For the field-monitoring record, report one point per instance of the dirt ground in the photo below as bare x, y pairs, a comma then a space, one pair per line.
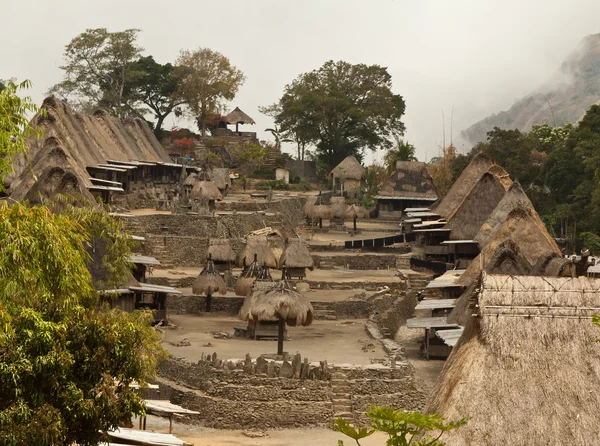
338, 342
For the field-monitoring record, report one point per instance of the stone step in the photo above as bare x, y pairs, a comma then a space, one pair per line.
327, 315
341, 396
345, 415
342, 408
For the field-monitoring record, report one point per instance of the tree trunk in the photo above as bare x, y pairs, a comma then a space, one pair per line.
158, 126
203, 121
208, 303
303, 145
280, 335
299, 153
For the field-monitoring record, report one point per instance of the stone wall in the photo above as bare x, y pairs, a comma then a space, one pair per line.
186, 304
353, 261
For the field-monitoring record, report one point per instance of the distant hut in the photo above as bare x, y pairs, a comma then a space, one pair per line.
476, 207
410, 186
338, 210
348, 176
256, 248
356, 211
209, 282
296, 258
237, 117
206, 193
526, 230
469, 177
525, 368
317, 209
220, 176
282, 304
222, 254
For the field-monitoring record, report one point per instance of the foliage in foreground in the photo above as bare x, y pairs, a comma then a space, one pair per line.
402, 427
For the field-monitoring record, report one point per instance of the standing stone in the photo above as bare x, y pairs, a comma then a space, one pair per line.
296, 365
248, 364
271, 369
202, 357
261, 366
286, 370
214, 357
305, 369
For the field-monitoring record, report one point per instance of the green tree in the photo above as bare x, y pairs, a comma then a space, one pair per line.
208, 79
402, 151
98, 66
342, 108
157, 87
402, 427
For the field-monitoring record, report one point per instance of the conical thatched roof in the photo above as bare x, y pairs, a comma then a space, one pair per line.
525, 229
296, 255
239, 117
348, 169
477, 206
463, 185
410, 180
191, 179
257, 245
526, 368
220, 250
206, 190
280, 301
356, 211
209, 281
316, 208
552, 264
514, 197
338, 207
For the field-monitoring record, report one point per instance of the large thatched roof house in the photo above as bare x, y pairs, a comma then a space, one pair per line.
463, 185
526, 367
104, 153
347, 176
410, 186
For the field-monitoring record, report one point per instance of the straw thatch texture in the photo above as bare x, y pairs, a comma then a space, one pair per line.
257, 245
237, 116
356, 211
296, 255
87, 140
463, 185
220, 175
410, 180
477, 206
461, 313
508, 260
316, 208
348, 169
338, 207
243, 286
513, 198
209, 284
191, 179
525, 371
206, 190
220, 250
524, 227
554, 265
280, 301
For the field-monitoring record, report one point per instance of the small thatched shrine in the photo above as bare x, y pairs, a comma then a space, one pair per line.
338, 210
355, 211
410, 186
237, 117
205, 193
467, 180
296, 258
348, 176
317, 210
525, 370
220, 176
222, 254
208, 282
256, 249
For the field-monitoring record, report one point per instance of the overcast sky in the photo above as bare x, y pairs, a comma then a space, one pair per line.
477, 56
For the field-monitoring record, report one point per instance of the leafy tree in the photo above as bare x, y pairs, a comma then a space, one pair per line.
441, 171
157, 87
278, 136
402, 151
342, 108
208, 79
402, 427
98, 67
375, 177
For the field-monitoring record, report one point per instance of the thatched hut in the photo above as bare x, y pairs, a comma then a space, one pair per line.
208, 282
253, 278
525, 369
206, 193
463, 185
348, 176
237, 117
410, 186
295, 258
280, 303
221, 252
356, 211
523, 227
257, 247
317, 209
476, 207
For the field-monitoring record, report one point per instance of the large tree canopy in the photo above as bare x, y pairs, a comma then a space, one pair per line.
341, 108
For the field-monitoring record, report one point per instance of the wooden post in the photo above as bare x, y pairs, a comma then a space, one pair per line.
355, 224
208, 303
320, 223
280, 336
170, 423
427, 344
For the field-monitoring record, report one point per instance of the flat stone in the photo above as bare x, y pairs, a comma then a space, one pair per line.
302, 287
271, 369
261, 366
286, 370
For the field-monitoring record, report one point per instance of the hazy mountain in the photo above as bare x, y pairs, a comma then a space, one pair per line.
574, 88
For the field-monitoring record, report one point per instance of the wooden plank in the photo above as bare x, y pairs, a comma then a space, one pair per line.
436, 304
166, 406
450, 337
429, 322
146, 438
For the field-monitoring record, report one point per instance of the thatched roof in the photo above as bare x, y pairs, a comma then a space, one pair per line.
220, 176
206, 190
411, 181
554, 265
356, 211
349, 169
239, 117
86, 140
191, 179
257, 245
514, 197
525, 229
477, 206
220, 250
526, 368
338, 207
463, 185
296, 255
209, 281
280, 301
316, 208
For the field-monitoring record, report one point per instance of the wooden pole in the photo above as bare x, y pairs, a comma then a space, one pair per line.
427, 344
280, 336
354, 224
208, 303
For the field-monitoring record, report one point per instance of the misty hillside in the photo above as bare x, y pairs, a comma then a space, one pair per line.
575, 88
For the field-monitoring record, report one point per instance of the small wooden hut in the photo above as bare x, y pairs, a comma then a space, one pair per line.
208, 282
222, 254
526, 366
295, 258
317, 210
348, 176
